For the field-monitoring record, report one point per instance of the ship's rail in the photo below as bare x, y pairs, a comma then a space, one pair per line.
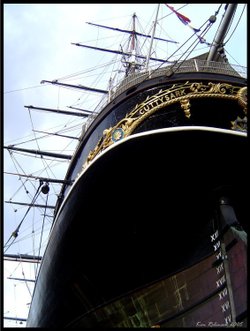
192, 65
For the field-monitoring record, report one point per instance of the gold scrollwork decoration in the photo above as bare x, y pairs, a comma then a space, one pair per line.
240, 124
185, 105
176, 93
242, 98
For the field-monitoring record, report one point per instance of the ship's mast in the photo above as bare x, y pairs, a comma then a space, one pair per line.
132, 63
131, 56
152, 37
217, 44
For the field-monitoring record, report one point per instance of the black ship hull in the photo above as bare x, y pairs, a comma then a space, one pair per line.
151, 204
150, 221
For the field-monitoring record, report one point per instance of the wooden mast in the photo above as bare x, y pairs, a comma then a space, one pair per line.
152, 38
220, 35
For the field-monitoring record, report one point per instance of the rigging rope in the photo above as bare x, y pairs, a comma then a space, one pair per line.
74, 127
23, 183
22, 89
15, 233
15, 162
236, 25
45, 163
40, 244
26, 283
197, 42
201, 39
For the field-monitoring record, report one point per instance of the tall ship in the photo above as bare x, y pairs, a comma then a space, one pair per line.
150, 224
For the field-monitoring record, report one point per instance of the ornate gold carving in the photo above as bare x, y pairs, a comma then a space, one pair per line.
185, 105
176, 93
240, 124
242, 98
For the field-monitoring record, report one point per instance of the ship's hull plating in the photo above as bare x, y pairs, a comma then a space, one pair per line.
141, 239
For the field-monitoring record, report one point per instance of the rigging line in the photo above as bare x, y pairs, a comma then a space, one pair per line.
32, 125
98, 78
49, 134
33, 239
16, 242
103, 38
25, 280
232, 58
197, 42
65, 129
162, 30
23, 183
58, 97
15, 233
15, 301
201, 35
49, 166
13, 271
45, 135
149, 32
73, 127
70, 122
154, 70
208, 25
11, 141
33, 139
173, 12
46, 165
30, 140
106, 71
19, 188
51, 161
236, 25
40, 244
150, 29
161, 24
231, 22
33, 236
22, 89
85, 71
216, 13
116, 61
15, 162
30, 235
69, 143
42, 157
109, 19
34, 249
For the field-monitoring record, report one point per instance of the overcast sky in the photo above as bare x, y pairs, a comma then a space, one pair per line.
37, 46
